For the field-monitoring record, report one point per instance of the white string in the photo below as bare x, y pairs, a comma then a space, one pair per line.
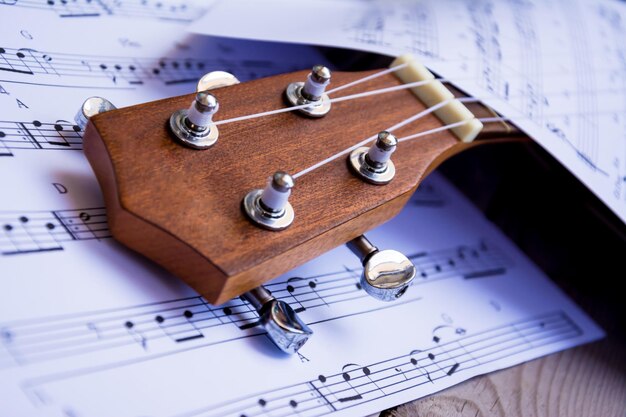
369, 77
332, 100
452, 126
262, 114
371, 138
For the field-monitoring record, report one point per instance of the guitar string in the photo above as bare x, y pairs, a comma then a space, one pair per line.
368, 78
423, 133
371, 93
406, 138
342, 98
371, 138
452, 126
362, 95
332, 100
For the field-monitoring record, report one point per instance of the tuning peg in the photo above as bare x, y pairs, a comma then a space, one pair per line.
91, 107
194, 127
374, 164
216, 79
270, 208
311, 92
387, 274
282, 324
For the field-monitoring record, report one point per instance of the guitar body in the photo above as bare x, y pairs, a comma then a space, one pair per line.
181, 207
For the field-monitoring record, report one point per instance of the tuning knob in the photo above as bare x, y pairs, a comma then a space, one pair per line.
91, 107
194, 127
269, 208
282, 324
312, 92
216, 79
374, 164
387, 274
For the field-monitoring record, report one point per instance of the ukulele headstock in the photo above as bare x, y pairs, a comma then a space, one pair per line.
182, 207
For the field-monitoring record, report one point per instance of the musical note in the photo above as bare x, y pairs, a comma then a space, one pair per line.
32, 232
118, 72
159, 9
136, 335
58, 135
187, 320
304, 294
180, 331
11, 64
336, 391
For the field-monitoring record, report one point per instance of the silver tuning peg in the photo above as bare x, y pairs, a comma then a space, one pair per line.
374, 164
311, 92
269, 208
194, 127
282, 324
387, 274
216, 79
91, 107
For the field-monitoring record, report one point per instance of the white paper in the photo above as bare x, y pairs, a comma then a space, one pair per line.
165, 10
555, 67
88, 328
100, 332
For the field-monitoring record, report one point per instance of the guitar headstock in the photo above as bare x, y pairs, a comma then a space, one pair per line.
182, 207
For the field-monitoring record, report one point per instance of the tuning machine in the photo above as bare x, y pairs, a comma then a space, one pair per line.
387, 274
311, 92
282, 324
269, 208
374, 164
91, 107
194, 127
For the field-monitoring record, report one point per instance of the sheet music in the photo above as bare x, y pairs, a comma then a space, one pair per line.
555, 67
181, 11
121, 337
88, 328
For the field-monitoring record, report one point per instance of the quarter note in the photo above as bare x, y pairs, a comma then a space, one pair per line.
136, 335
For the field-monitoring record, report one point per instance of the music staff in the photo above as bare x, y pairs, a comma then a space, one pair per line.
43, 231
170, 324
163, 10
120, 72
58, 135
326, 394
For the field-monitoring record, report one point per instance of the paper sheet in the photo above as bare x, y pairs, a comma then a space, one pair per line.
557, 68
88, 328
99, 332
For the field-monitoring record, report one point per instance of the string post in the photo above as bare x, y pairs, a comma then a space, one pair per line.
374, 164
91, 107
311, 93
281, 322
269, 208
194, 127
387, 274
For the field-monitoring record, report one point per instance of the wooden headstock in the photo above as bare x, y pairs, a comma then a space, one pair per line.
182, 207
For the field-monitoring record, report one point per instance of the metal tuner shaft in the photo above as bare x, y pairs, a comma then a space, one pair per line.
311, 93
282, 324
387, 274
91, 107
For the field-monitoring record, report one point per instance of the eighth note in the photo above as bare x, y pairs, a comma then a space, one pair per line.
453, 369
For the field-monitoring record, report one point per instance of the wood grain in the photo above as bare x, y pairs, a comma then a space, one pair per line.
181, 207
